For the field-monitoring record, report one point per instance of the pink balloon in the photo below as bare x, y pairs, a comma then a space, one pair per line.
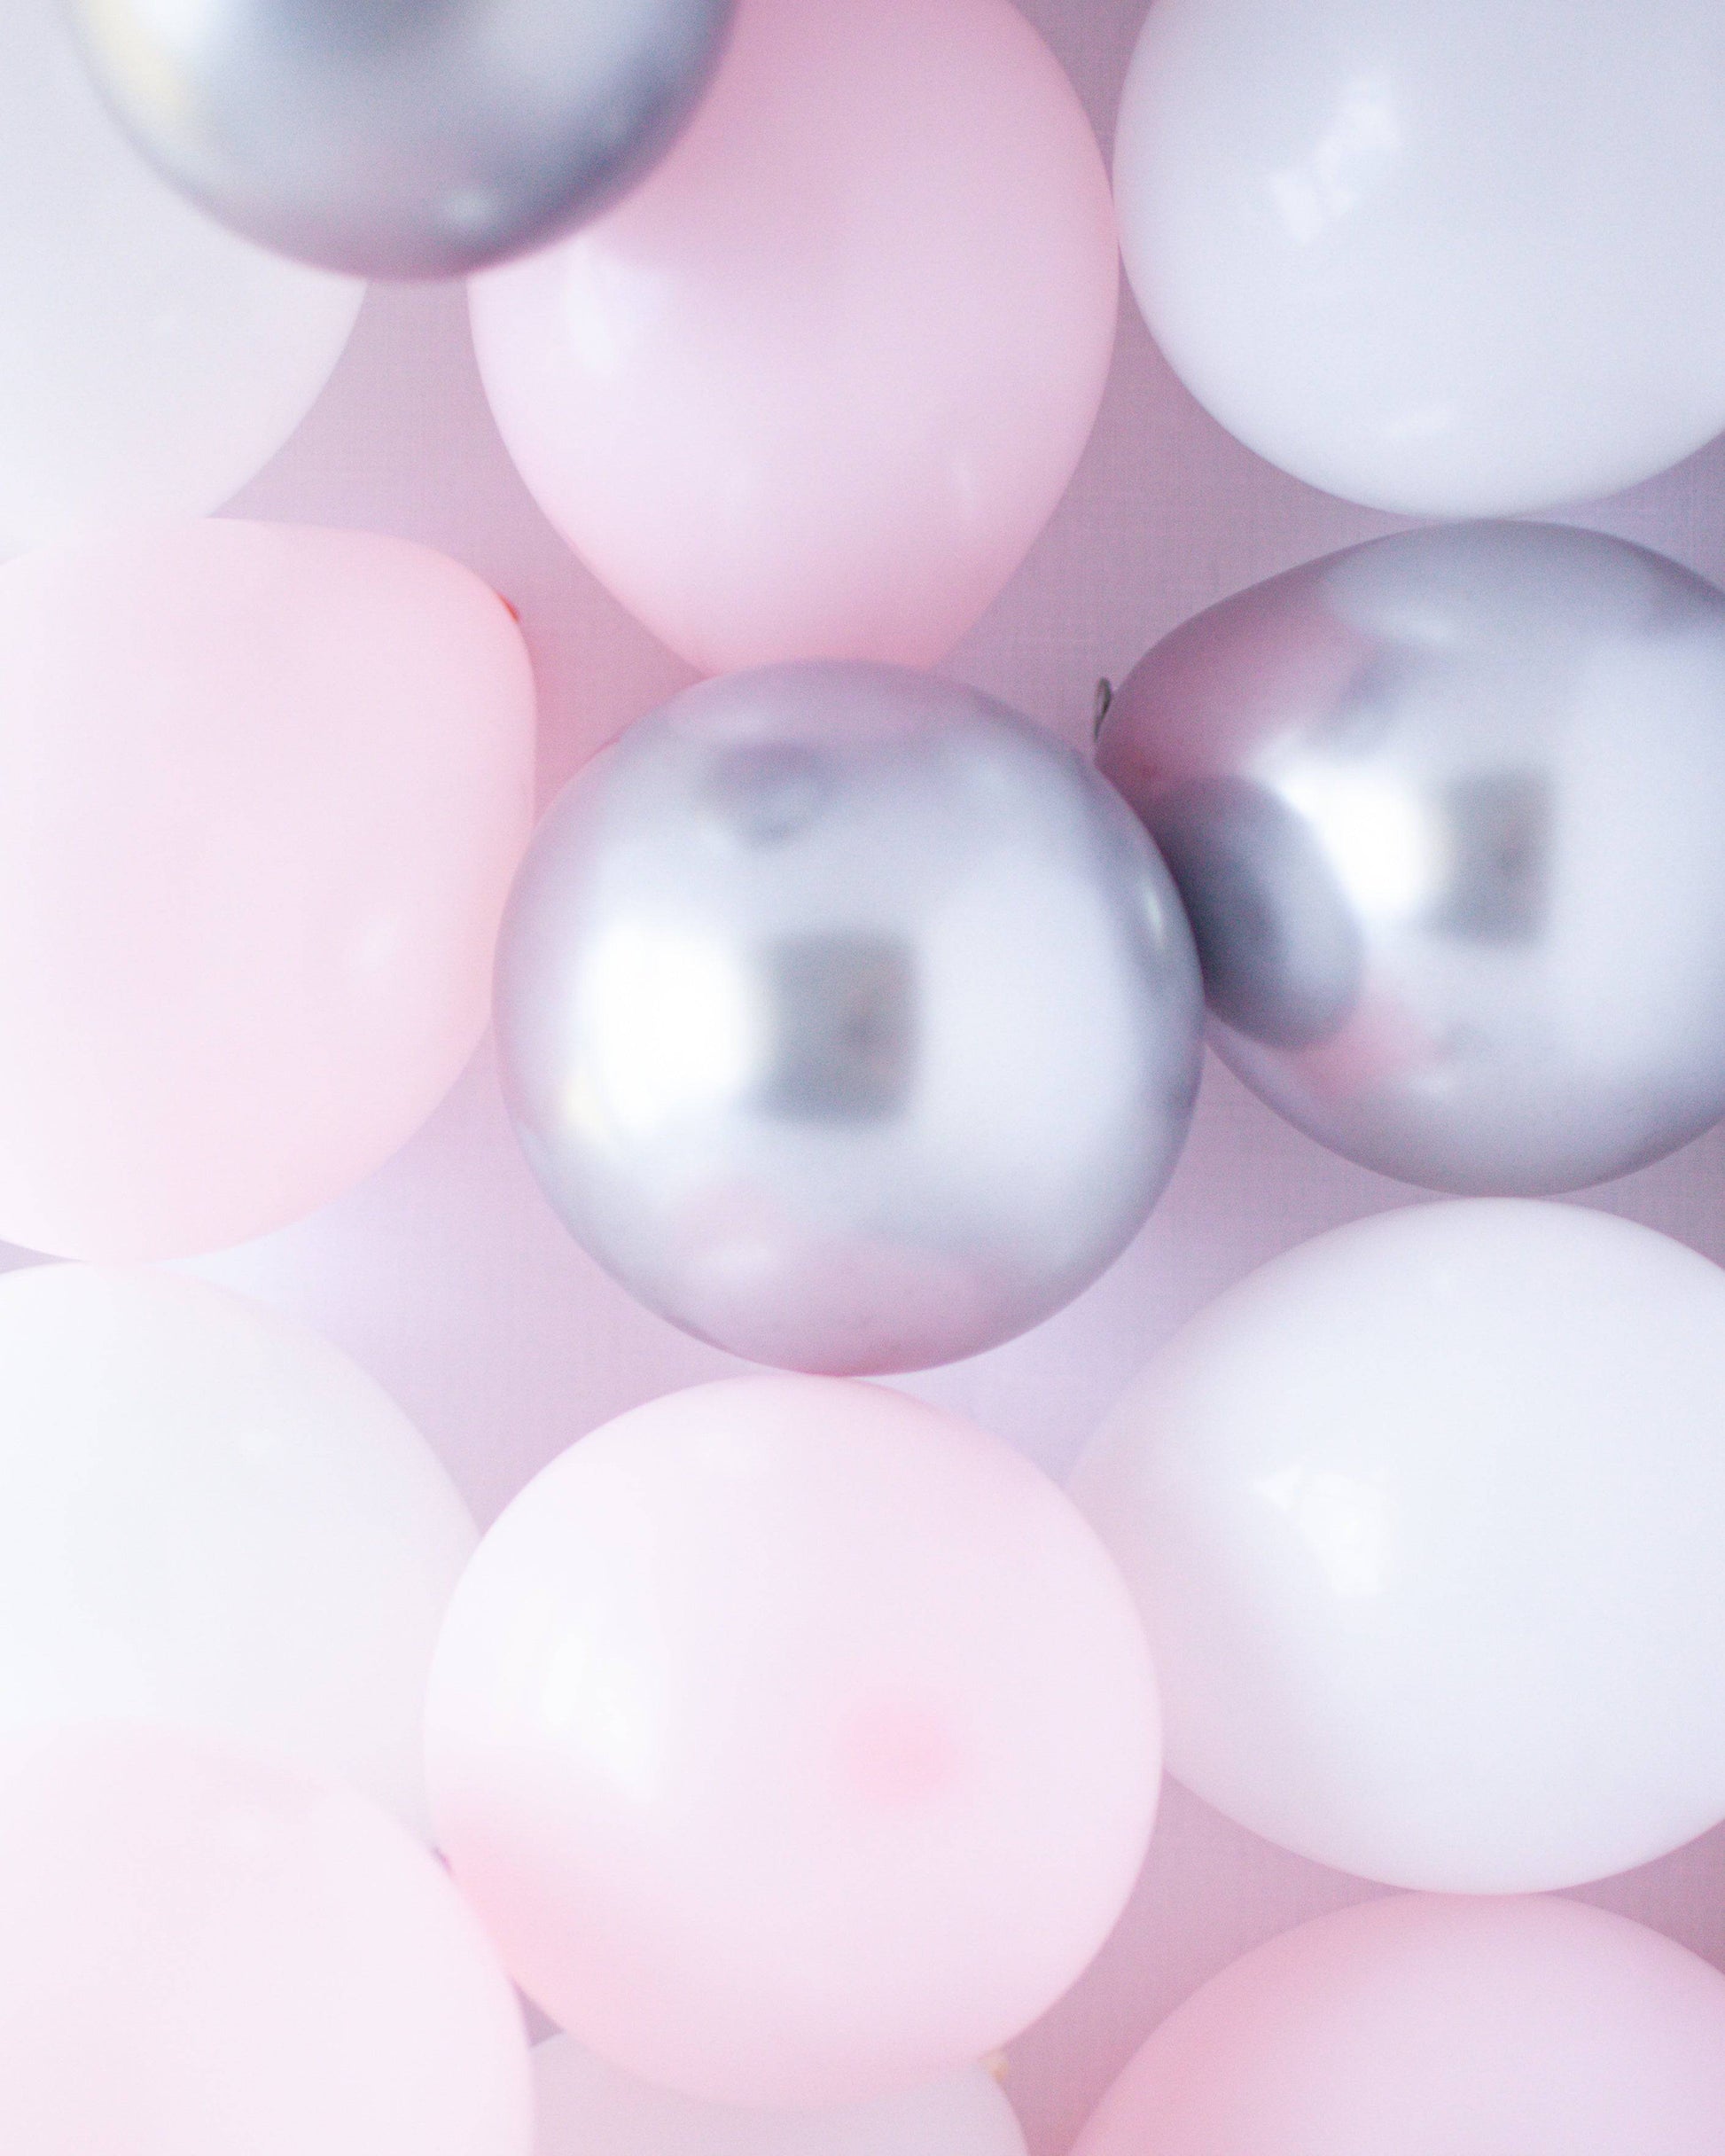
797, 1741
814, 388
261, 793
1426, 2026
204, 1956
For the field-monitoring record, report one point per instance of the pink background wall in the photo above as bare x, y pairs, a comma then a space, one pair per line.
446, 1274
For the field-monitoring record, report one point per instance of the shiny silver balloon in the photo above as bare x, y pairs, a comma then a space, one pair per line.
847, 1019
1448, 812
401, 138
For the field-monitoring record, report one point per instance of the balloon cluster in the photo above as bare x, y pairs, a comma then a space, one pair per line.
794, 1744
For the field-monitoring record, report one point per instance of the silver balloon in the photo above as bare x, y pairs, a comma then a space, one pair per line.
1446, 811
401, 138
847, 1019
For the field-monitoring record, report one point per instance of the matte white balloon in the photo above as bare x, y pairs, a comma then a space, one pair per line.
1456, 260
1427, 1520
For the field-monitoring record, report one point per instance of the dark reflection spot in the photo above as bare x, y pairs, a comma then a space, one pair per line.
765, 794
1497, 887
844, 1036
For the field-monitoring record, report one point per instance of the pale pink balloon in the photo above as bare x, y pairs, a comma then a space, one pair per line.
815, 388
1427, 2027
262, 790
202, 1954
797, 1741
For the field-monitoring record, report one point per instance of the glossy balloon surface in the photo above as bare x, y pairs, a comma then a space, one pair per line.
795, 1740
846, 1017
1455, 260
1426, 1521
1441, 808
397, 140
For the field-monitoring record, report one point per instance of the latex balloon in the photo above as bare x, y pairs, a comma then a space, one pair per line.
403, 141
201, 1952
153, 362
1436, 259
261, 793
209, 1517
846, 1017
781, 1680
1426, 1521
1441, 808
813, 390
1430, 2027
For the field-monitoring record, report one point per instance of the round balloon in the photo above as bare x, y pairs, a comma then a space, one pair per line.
796, 1742
1429, 2027
261, 793
1441, 811
813, 390
1426, 1521
1456, 261
153, 362
395, 141
847, 1018
202, 1952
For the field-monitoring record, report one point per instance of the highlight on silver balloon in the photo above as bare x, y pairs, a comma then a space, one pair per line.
1445, 810
402, 138
846, 1017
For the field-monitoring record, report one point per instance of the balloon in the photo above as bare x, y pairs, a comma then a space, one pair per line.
261, 793
1426, 1522
201, 1953
1441, 810
1431, 2028
813, 390
846, 1017
152, 363
1454, 261
208, 1517
796, 1742
396, 140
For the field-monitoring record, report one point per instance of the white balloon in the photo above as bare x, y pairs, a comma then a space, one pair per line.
209, 1516
150, 362
1453, 259
1427, 1520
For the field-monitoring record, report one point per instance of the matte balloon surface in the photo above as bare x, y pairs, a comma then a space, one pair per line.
261, 793
202, 1953
796, 1741
1431, 2028
1426, 1522
210, 1518
847, 1018
1455, 260
396, 140
152, 363
813, 390
1442, 811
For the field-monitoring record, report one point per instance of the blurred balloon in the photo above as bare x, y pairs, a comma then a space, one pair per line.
208, 1517
1455, 260
151, 364
1442, 811
846, 1017
796, 1741
1429, 2027
261, 793
814, 389
202, 1953
399, 140
1426, 1521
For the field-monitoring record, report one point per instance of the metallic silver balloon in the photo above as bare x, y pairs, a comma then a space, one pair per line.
401, 138
1446, 812
846, 1017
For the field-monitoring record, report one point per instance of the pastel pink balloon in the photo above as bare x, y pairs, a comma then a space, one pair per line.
261, 793
797, 1741
1427, 2027
814, 388
202, 1954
